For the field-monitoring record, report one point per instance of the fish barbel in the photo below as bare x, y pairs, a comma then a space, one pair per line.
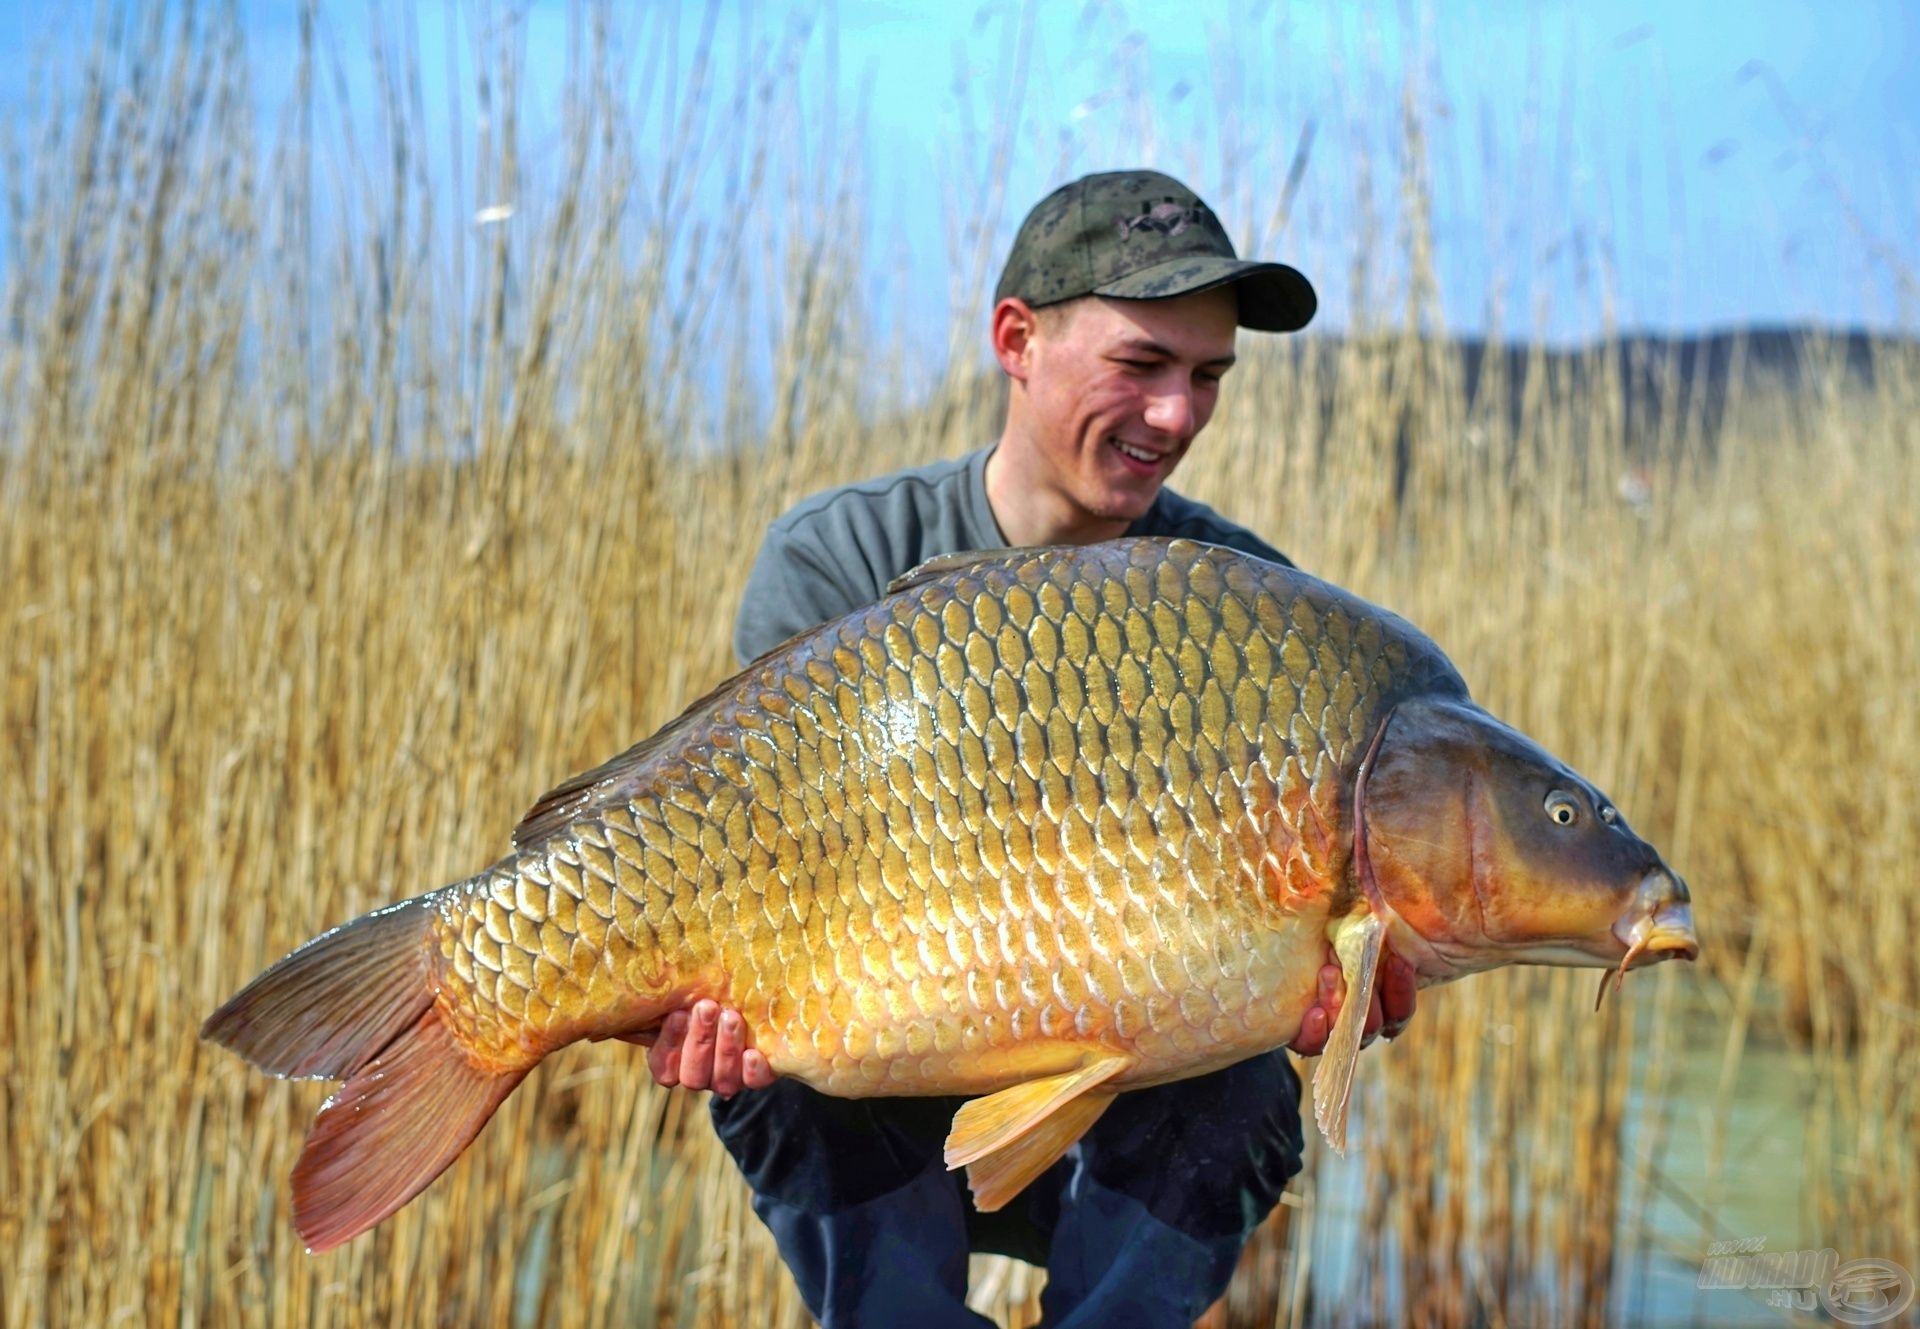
1043, 825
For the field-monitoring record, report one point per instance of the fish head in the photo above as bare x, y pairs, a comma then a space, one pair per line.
1490, 850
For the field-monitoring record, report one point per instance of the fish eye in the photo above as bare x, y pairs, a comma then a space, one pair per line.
1562, 808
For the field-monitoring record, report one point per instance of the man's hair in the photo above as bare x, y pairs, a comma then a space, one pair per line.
1051, 318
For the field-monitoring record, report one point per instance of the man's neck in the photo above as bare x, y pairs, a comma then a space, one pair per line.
1030, 509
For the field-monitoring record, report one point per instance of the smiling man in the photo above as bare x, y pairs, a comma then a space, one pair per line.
1114, 321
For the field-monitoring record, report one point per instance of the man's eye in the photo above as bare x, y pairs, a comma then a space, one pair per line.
1141, 365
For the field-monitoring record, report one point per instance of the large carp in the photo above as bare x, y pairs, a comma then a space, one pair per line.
1043, 825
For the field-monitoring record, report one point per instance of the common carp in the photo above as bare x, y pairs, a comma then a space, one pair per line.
1042, 825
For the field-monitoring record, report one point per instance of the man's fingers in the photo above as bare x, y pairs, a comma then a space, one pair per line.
1311, 1041
1317, 1023
696, 1058
663, 1058
705, 1047
1374, 1019
726, 1055
1399, 990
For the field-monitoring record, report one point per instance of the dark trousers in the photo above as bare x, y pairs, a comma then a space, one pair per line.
1140, 1225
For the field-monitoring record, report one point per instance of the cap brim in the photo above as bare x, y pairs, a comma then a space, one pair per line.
1273, 296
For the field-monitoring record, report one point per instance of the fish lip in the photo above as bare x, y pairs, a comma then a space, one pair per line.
1661, 926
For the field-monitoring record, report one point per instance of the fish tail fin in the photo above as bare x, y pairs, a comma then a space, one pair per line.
330, 1007
398, 1123
357, 1004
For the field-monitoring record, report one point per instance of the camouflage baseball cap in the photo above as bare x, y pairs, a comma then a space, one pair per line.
1141, 235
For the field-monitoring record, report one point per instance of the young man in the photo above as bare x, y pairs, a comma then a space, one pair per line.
1115, 321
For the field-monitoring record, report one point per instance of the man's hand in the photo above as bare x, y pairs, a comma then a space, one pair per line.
1391, 1009
705, 1048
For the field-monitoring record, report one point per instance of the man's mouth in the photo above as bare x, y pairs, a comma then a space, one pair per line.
1143, 461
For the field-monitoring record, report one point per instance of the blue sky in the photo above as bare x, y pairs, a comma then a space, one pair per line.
1733, 163
1667, 165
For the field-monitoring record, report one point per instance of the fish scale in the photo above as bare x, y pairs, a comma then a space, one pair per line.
891, 843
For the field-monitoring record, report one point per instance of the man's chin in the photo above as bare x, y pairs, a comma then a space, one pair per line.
1111, 510
1129, 502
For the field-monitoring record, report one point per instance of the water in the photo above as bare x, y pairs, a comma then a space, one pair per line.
1719, 1156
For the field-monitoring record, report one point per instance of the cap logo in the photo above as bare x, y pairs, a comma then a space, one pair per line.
1168, 218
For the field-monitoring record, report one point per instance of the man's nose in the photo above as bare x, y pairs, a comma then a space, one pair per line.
1170, 411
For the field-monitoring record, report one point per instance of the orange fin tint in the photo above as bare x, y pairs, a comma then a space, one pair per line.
1358, 941
329, 1008
391, 1130
997, 1177
987, 1124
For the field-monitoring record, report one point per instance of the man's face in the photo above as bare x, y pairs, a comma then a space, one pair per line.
1120, 388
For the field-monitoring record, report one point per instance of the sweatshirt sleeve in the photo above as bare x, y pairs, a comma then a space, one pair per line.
791, 588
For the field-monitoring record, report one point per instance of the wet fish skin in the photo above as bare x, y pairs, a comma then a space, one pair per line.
1056, 798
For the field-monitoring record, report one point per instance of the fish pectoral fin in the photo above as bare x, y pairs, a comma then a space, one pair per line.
988, 1124
1358, 941
997, 1177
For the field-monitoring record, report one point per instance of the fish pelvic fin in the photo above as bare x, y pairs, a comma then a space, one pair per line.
330, 1007
390, 1130
1358, 940
997, 1177
1007, 1139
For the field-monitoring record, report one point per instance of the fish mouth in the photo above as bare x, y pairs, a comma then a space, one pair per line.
1659, 927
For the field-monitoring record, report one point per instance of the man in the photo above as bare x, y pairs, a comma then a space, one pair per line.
1115, 322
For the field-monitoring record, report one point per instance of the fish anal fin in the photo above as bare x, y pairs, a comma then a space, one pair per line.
997, 1177
984, 1125
1357, 943
390, 1130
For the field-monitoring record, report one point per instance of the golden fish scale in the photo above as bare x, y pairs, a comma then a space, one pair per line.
1055, 799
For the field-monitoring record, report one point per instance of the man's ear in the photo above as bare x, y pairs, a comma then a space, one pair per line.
1015, 326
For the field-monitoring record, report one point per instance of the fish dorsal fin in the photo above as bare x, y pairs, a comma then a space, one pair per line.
1011, 1136
614, 780
1357, 942
567, 801
935, 568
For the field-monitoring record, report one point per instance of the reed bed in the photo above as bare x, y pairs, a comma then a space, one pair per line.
330, 543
